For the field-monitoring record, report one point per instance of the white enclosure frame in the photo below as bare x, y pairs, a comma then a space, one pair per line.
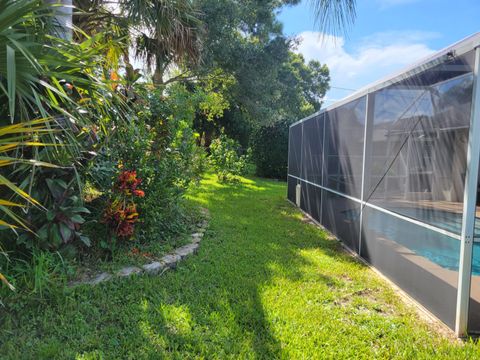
471, 179
469, 207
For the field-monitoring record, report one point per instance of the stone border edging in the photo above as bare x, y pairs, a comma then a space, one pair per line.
167, 262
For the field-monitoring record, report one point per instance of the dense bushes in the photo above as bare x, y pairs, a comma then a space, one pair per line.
269, 145
109, 154
158, 147
56, 104
96, 156
226, 160
134, 175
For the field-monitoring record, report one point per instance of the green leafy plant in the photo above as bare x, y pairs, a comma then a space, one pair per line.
65, 217
60, 227
226, 160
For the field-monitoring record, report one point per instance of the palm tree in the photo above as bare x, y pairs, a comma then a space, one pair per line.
166, 32
160, 32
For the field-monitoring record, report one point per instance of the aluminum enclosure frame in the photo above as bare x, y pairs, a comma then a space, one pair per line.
466, 237
469, 207
461, 47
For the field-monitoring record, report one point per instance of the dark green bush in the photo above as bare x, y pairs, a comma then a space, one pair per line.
269, 144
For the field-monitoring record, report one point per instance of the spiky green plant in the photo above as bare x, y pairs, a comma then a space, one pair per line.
13, 140
44, 77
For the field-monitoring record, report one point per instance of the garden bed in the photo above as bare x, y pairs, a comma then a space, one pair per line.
147, 263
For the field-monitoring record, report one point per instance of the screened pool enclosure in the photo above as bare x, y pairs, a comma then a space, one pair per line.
392, 171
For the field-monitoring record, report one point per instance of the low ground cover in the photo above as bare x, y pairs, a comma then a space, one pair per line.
263, 285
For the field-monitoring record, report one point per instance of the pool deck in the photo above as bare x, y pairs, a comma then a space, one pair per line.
446, 206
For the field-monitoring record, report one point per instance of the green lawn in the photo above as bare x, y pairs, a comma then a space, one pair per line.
264, 285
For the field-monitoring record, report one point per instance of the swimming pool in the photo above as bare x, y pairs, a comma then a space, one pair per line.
438, 248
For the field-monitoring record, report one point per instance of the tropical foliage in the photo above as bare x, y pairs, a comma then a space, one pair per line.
13, 139
96, 154
226, 159
121, 213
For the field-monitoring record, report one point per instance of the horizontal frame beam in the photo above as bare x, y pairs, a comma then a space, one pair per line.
376, 207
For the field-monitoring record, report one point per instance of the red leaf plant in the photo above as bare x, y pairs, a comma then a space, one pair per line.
121, 213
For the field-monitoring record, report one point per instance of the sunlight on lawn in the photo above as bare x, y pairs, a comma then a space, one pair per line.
264, 285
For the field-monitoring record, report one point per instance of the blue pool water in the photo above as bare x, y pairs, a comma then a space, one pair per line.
442, 219
440, 249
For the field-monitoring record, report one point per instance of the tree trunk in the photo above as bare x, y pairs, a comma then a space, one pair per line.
158, 76
159, 71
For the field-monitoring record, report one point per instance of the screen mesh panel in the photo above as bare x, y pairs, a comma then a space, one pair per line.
312, 149
344, 133
386, 172
295, 150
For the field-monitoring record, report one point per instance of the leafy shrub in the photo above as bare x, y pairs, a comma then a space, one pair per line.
269, 144
226, 160
172, 161
121, 213
58, 227
159, 143
64, 218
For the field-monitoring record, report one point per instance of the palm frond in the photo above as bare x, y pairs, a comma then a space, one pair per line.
27, 133
165, 31
334, 16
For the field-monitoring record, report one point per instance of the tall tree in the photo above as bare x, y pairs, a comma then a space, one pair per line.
245, 40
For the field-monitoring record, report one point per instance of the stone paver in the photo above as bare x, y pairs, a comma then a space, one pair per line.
171, 260
100, 278
154, 267
129, 270
157, 267
186, 250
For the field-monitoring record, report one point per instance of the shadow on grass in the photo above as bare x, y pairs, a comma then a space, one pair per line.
211, 306
255, 236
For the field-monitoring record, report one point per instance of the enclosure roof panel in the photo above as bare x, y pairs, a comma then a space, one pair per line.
457, 49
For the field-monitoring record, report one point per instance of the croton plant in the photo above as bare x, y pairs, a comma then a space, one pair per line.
121, 214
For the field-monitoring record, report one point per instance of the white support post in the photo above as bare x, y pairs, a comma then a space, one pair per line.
367, 151
469, 207
324, 124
